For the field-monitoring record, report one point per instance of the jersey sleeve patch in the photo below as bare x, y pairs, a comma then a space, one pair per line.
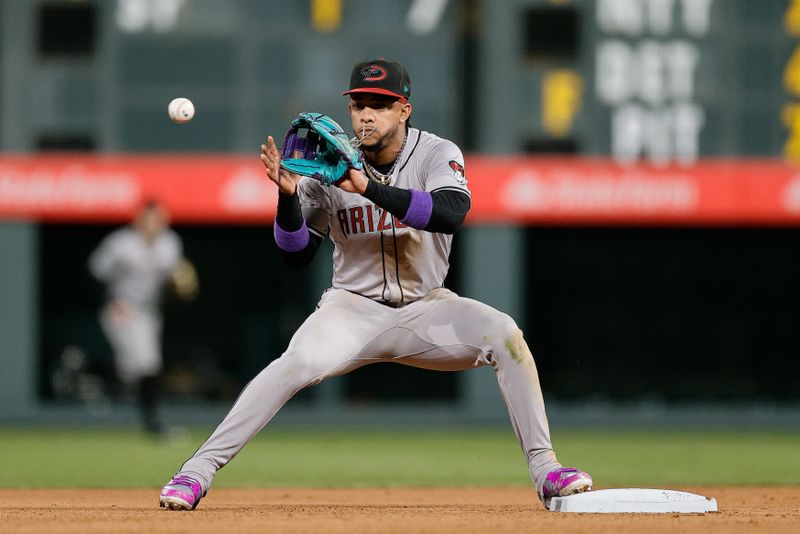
458, 172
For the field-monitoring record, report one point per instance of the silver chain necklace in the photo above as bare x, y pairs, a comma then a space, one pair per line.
379, 177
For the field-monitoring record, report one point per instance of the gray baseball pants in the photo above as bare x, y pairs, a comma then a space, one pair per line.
441, 331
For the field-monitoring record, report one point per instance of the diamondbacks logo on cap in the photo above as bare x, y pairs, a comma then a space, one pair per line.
458, 172
373, 73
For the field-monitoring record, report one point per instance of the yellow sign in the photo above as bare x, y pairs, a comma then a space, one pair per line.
326, 15
791, 18
562, 98
790, 115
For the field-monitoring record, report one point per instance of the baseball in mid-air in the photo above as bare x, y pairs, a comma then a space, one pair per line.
181, 110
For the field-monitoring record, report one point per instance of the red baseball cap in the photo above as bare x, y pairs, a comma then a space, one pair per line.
381, 77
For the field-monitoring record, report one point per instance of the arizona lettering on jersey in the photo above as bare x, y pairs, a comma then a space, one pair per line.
387, 260
366, 219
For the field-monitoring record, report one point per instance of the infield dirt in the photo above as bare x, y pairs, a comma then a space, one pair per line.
401, 510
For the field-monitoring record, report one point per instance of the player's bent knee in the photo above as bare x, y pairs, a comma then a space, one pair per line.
503, 327
508, 340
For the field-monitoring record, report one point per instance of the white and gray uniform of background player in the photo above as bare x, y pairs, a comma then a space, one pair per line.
134, 270
386, 304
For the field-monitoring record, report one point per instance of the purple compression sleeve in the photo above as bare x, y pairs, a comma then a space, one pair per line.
291, 241
419, 210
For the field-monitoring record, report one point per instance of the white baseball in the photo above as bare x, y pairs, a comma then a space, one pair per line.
181, 110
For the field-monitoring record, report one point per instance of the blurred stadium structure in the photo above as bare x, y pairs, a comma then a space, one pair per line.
636, 199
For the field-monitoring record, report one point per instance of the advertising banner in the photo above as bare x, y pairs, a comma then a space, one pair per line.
232, 189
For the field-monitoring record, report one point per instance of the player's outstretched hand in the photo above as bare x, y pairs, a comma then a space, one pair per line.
271, 158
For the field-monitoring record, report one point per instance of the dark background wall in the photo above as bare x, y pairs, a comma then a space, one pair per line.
619, 314
670, 314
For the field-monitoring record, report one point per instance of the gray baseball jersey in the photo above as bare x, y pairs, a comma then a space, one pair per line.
387, 305
376, 255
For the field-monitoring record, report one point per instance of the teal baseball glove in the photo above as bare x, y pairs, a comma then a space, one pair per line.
323, 153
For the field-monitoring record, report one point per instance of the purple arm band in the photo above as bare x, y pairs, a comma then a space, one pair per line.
419, 210
291, 241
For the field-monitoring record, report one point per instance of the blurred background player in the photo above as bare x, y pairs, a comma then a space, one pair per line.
136, 263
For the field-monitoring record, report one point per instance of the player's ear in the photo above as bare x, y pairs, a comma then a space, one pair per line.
405, 111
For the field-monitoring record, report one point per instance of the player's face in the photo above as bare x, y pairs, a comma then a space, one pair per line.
378, 120
151, 221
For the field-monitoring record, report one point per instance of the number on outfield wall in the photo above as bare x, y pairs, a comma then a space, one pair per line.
135, 16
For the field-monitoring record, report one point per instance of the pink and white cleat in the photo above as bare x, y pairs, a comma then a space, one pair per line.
181, 493
565, 481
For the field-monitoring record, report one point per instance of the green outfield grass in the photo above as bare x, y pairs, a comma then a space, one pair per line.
464, 457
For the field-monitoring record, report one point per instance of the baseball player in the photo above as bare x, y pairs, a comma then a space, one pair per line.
391, 217
135, 262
